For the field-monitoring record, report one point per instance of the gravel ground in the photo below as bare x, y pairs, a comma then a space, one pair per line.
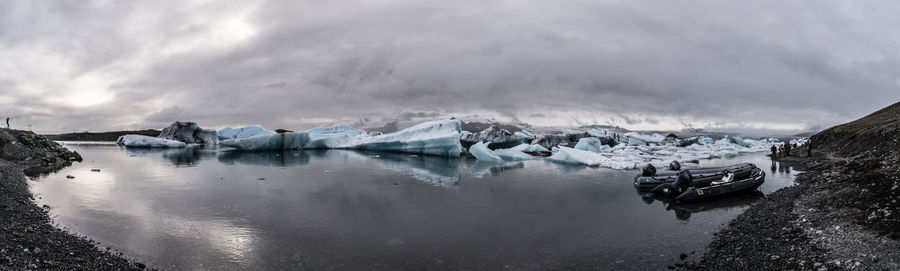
28, 240
840, 216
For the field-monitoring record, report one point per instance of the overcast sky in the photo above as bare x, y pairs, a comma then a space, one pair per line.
111, 65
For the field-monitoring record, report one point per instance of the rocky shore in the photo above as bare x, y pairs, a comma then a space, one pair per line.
28, 240
843, 214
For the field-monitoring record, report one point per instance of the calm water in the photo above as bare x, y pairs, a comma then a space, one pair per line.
199, 209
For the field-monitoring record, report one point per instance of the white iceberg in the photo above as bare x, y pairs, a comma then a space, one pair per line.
601, 133
440, 137
513, 155
526, 136
334, 137
273, 142
142, 141
482, 153
530, 148
568, 155
635, 138
592, 144
245, 132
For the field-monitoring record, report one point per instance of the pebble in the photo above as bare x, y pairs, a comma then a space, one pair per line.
774, 257
70, 177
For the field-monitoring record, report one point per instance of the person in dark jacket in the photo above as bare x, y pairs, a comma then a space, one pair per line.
809, 148
787, 149
774, 151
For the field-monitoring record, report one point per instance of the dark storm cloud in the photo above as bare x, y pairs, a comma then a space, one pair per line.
293, 64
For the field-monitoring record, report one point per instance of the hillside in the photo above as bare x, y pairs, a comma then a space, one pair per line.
875, 135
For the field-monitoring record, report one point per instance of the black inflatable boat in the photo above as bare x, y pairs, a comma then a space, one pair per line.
700, 176
715, 189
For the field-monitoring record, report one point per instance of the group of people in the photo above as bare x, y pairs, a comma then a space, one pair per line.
785, 149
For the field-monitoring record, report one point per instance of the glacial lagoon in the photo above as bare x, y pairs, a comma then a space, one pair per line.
204, 209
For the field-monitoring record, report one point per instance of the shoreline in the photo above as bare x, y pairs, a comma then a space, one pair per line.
28, 238
817, 224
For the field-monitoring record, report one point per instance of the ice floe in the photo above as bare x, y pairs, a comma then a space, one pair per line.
269, 142
244, 132
142, 141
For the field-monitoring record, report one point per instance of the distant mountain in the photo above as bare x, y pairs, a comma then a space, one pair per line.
100, 136
480, 126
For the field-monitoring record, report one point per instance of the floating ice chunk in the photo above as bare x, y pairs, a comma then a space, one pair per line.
530, 148
275, 142
526, 136
601, 133
592, 144
568, 155
440, 137
375, 133
482, 153
513, 155
334, 137
244, 132
635, 139
142, 141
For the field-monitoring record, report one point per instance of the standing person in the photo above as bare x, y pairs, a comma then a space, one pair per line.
7, 122
809, 148
774, 150
787, 149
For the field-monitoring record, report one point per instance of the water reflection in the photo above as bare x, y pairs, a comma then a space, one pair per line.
340, 209
684, 210
479, 168
179, 157
441, 171
269, 159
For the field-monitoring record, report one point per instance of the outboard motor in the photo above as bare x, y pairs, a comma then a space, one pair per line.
674, 165
682, 182
649, 171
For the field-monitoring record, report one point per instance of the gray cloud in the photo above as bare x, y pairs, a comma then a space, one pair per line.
295, 64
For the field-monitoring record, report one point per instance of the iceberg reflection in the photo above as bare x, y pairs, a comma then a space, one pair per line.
270, 159
179, 157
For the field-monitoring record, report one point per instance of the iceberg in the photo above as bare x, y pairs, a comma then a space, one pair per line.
273, 142
592, 144
439, 137
142, 141
190, 133
434, 137
482, 153
601, 133
526, 136
635, 139
568, 155
498, 138
334, 137
513, 155
530, 148
245, 132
